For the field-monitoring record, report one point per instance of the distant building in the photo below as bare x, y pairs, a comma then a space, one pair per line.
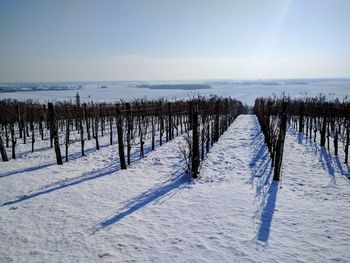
77, 99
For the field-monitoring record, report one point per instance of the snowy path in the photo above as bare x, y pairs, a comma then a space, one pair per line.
151, 213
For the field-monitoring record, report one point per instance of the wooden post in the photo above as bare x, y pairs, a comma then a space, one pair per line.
153, 133
347, 142
170, 126
280, 143
323, 131
166, 130
120, 138
128, 135
96, 134
3, 150
87, 122
177, 126
33, 134
93, 127
208, 137
328, 135
202, 141
24, 131
67, 138
161, 124
82, 142
212, 135
111, 130
41, 130
195, 144
53, 126
141, 123
13, 141
301, 117
335, 141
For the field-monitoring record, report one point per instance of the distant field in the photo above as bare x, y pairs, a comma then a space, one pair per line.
25, 88
177, 86
244, 90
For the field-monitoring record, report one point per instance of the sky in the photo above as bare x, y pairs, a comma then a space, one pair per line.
73, 40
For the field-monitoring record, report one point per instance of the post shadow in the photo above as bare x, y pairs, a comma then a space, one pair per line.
346, 171
300, 137
154, 194
267, 213
71, 157
64, 184
327, 161
260, 163
266, 188
108, 170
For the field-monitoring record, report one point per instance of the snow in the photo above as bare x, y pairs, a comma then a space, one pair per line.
88, 210
244, 90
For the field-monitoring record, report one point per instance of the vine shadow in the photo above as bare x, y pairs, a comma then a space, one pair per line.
105, 171
265, 188
330, 163
179, 181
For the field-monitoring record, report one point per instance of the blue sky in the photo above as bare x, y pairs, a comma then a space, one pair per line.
183, 39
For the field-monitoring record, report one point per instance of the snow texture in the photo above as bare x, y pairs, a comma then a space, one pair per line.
87, 210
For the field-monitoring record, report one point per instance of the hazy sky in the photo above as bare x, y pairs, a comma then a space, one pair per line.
162, 39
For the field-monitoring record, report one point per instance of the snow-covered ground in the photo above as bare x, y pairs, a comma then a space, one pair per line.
89, 211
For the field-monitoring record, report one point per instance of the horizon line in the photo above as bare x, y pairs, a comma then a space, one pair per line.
150, 80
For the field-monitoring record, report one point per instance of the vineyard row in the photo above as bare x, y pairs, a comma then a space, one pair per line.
329, 119
202, 120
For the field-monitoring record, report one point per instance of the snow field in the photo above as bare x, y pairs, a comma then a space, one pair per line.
88, 210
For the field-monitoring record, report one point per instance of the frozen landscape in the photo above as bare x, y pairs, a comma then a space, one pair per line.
245, 90
87, 210
175, 131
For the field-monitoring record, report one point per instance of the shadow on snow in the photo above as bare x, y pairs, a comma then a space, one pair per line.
71, 157
327, 161
268, 208
266, 189
179, 180
108, 170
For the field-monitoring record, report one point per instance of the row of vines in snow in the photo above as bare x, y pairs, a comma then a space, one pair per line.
311, 117
130, 123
